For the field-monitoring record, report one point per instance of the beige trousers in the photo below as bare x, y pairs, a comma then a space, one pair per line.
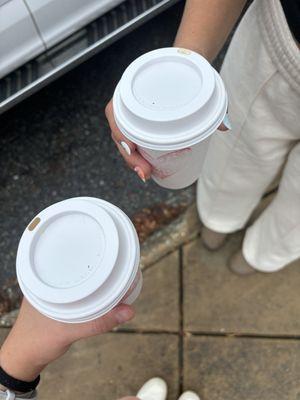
262, 75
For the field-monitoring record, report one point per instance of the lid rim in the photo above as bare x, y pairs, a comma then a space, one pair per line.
72, 316
174, 142
111, 300
180, 142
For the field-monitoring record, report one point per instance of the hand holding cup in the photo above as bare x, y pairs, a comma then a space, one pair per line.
127, 149
164, 110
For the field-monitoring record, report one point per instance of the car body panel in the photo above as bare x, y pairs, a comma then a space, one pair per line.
57, 19
19, 38
77, 48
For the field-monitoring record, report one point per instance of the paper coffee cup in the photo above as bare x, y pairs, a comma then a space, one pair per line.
78, 259
169, 102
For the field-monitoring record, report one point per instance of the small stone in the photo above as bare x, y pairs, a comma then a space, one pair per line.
7, 320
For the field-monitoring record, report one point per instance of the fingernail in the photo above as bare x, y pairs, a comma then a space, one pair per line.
227, 123
124, 315
140, 173
126, 147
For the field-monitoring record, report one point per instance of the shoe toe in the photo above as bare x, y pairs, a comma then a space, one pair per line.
239, 265
212, 240
154, 389
189, 396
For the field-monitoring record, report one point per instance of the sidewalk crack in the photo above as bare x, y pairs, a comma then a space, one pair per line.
181, 324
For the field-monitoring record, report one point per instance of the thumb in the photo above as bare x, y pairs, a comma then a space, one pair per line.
119, 315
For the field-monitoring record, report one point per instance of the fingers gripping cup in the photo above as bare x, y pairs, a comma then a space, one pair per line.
169, 102
78, 259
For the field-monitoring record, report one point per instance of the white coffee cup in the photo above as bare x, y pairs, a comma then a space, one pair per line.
78, 259
169, 102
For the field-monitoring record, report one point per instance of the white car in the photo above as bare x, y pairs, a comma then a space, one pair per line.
42, 39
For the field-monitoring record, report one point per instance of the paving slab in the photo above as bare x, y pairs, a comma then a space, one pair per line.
112, 366
216, 300
157, 308
220, 368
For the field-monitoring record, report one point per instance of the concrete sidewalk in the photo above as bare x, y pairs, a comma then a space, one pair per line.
198, 326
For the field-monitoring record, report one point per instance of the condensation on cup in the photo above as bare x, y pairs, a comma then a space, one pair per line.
78, 259
169, 102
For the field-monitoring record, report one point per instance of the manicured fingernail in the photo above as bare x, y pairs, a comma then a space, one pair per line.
227, 122
140, 173
126, 147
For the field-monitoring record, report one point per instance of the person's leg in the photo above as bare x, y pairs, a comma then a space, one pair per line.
273, 241
274, 252
242, 163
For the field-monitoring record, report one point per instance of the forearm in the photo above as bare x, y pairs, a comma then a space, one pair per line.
19, 364
206, 25
31, 344
17, 361
35, 340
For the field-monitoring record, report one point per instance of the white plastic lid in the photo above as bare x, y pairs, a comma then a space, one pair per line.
168, 99
109, 285
67, 251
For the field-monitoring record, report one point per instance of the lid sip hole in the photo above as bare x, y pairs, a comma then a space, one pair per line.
34, 223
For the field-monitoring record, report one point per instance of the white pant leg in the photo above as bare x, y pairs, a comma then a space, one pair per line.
264, 112
273, 241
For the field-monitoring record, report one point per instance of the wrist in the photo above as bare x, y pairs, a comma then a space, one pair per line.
18, 365
10, 386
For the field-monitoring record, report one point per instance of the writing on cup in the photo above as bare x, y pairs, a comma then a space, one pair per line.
166, 164
34, 223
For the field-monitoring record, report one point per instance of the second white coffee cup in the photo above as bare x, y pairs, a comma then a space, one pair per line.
78, 259
169, 102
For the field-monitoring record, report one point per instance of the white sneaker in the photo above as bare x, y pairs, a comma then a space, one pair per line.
189, 396
154, 389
